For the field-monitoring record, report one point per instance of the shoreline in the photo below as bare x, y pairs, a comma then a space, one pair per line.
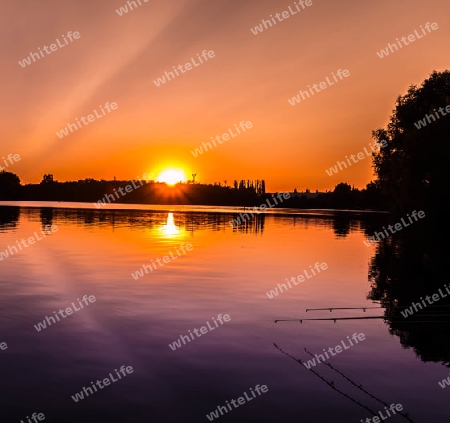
185, 208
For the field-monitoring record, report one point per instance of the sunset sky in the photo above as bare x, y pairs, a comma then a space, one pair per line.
250, 78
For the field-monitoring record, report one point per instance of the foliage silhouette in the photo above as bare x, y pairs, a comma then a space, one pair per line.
411, 168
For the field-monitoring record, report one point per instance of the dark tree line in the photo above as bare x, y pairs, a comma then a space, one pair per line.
257, 186
245, 193
242, 193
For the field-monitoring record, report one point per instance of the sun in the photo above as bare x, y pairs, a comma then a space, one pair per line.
172, 176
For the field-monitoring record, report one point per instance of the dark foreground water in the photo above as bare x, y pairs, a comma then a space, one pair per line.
227, 271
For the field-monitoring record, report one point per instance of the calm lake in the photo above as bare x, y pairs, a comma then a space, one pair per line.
135, 320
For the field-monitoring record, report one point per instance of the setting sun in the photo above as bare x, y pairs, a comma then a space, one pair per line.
172, 176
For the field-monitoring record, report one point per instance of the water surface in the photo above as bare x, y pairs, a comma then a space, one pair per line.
229, 271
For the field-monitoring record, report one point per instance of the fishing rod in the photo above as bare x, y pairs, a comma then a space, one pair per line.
329, 383
406, 416
367, 308
391, 318
331, 318
341, 308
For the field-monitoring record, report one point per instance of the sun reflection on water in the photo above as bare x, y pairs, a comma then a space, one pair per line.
170, 229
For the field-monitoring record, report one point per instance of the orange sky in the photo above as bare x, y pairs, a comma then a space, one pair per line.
250, 78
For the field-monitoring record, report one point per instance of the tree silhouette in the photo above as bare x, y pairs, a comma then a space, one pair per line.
47, 179
341, 189
410, 169
9, 185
